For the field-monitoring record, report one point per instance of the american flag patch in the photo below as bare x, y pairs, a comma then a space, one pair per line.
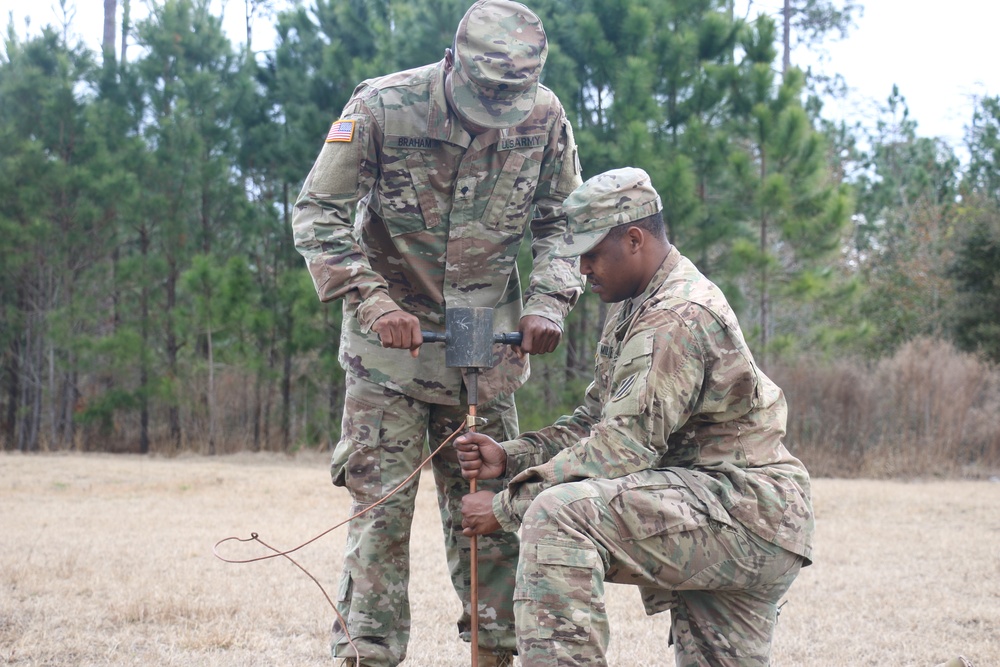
341, 130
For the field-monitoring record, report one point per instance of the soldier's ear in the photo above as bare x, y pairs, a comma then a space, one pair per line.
449, 58
636, 238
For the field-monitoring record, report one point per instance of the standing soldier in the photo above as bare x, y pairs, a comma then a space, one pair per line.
447, 164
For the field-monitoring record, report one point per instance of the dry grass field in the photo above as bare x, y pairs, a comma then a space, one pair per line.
107, 560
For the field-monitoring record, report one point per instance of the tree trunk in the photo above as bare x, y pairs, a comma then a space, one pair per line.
286, 388
248, 13
257, 400
108, 45
13, 393
211, 393
786, 37
28, 428
272, 358
125, 28
144, 356
173, 347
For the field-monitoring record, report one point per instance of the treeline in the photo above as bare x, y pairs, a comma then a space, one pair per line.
152, 300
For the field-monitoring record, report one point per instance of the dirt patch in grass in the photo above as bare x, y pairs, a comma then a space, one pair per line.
107, 560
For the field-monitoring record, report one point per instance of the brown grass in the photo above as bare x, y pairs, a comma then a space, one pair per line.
928, 410
107, 560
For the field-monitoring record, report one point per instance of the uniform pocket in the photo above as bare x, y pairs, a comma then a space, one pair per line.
399, 205
656, 509
357, 458
430, 211
628, 393
558, 584
510, 204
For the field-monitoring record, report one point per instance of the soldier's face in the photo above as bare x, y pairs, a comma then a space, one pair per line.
612, 269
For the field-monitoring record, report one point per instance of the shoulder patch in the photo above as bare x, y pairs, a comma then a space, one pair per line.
625, 387
341, 130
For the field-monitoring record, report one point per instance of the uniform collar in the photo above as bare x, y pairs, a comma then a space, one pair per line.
631, 308
656, 282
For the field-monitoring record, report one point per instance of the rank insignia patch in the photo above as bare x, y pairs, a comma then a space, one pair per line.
341, 130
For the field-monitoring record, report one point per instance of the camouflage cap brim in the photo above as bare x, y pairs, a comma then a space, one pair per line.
488, 107
574, 245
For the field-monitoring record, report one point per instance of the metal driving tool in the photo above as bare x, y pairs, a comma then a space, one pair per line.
468, 338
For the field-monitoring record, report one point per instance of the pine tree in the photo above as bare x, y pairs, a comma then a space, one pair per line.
906, 195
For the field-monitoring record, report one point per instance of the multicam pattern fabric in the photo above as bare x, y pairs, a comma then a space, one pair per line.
673, 467
441, 216
382, 443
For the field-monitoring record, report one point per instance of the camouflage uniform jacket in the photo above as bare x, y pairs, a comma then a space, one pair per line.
675, 387
440, 218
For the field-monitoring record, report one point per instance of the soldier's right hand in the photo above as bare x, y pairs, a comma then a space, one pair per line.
480, 456
399, 329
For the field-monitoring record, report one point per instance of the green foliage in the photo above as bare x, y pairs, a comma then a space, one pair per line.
975, 269
906, 193
147, 264
983, 141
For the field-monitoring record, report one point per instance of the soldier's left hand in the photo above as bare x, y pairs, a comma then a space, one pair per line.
539, 335
477, 514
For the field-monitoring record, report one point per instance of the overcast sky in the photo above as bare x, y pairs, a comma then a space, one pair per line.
942, 56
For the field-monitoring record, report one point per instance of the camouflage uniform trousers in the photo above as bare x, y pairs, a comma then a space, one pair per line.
383, 441
720, 582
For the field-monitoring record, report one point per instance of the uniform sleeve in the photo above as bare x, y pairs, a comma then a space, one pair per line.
656, 384
555, 284
343, 174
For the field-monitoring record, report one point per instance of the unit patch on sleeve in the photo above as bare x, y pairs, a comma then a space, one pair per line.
341, 130
625, 387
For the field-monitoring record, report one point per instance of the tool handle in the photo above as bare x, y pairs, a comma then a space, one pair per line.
510, 338
434, 336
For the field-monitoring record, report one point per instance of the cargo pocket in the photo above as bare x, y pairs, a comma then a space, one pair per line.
656, 509
344, 594
357, 458
558, 584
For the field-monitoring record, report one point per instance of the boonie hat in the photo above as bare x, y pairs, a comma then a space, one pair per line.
500, 48
607, 200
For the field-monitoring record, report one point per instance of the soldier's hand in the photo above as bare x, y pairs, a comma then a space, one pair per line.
477, 514
399, 329
539, 335
480, 456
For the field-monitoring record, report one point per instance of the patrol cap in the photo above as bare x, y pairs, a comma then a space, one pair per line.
616, 197
500, 48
